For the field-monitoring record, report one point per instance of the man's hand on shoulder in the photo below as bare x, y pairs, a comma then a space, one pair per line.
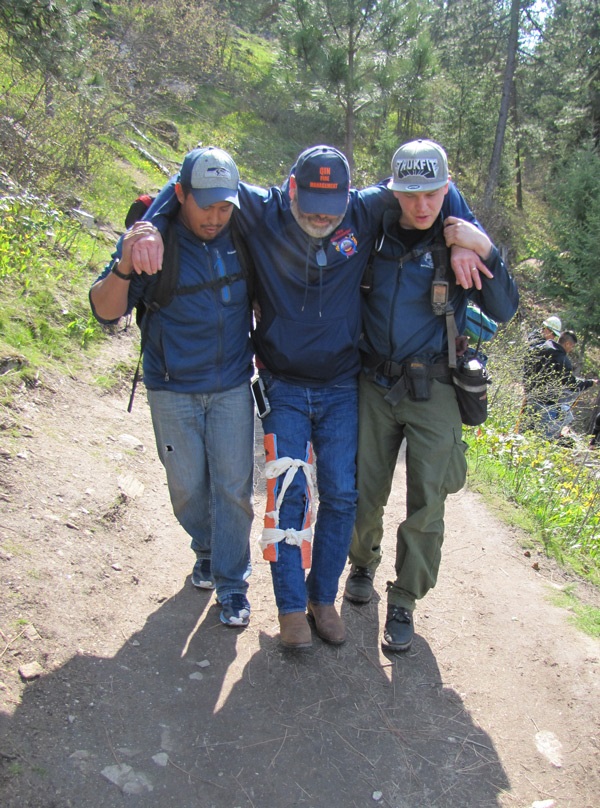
468, 246
144, 248
467, 265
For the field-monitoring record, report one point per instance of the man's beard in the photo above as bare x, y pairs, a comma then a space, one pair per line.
304, 222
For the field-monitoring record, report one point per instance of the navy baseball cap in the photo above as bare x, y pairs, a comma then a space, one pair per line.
323, 181
211, 176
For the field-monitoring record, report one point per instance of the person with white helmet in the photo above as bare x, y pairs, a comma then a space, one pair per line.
551, 328
550, 385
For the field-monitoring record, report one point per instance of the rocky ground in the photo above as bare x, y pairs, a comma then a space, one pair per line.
119, 686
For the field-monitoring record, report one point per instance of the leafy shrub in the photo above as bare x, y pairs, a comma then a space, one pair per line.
43, 280
557, 485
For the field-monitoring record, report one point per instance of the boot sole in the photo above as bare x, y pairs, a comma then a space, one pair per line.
358, 598
295, 645
395, 647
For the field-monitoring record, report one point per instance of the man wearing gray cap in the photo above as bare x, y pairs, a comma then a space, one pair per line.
405, 389
197, 362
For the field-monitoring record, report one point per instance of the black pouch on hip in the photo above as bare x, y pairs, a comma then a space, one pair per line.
418, 382
471, 382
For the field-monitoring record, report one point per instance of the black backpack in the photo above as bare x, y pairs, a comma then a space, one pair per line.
162, 292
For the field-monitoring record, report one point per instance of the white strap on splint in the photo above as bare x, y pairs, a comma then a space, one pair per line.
275, 468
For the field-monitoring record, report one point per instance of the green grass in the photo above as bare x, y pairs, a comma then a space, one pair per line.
550, 492
585, 617
119, 377
122, 175
44, 276
555, 488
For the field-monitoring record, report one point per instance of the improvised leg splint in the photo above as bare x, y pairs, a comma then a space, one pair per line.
272, 534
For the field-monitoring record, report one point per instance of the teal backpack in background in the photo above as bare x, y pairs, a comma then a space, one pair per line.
479, 326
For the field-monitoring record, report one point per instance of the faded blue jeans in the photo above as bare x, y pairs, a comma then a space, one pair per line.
327, 417
206, 444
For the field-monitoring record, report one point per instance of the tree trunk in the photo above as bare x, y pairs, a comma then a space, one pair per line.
350, 100
518, 176
509, 72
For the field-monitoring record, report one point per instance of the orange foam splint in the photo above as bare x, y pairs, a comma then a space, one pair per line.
306, 546
271, 551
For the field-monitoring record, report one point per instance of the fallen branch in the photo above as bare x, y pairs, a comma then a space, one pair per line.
146, 154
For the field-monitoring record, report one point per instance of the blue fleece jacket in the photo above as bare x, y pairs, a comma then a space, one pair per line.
200, 342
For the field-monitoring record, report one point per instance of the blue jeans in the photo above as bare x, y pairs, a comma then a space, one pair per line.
327, 418
206, 444
551, 418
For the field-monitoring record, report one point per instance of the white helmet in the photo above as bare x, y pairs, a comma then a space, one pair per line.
554, 324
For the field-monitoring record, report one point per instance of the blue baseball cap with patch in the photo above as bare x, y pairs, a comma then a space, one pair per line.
323, 181
211, 176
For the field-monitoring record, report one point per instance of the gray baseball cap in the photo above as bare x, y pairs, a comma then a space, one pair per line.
211, 176
420, 165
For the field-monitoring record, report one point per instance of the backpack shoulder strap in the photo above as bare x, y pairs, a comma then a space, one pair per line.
440, 289
366, 284
243, 254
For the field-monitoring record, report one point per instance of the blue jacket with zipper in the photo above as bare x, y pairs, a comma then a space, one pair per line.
398, 319
200, 342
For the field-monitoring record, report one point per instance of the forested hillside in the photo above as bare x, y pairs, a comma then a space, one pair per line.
100, 98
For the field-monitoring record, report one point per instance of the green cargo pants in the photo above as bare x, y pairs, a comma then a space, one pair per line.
435, 467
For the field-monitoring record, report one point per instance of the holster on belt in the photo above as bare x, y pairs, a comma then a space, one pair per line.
413, 376
396, 393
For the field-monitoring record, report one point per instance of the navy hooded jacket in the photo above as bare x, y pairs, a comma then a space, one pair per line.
397, 315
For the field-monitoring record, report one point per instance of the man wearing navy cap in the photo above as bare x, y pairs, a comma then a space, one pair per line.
197, 363
310, 241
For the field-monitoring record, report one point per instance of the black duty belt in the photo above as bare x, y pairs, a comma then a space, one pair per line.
395, 372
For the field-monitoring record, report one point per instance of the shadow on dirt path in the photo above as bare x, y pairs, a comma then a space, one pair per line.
144, 698
255, 726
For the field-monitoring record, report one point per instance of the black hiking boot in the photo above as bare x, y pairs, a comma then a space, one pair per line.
399, 630
359, 585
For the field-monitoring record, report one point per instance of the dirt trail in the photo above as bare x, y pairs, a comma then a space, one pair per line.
145, 699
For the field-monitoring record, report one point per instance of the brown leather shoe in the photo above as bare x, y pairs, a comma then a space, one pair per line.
328, 623
294, 631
